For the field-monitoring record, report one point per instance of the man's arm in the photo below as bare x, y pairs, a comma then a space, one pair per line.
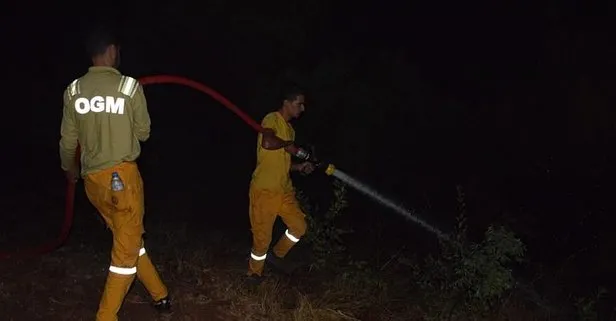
69, 138
270, 141
141, 119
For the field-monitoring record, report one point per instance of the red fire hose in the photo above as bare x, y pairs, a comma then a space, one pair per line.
166, 79
70, 188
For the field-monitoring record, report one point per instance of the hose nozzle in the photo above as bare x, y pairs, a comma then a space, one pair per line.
330, 169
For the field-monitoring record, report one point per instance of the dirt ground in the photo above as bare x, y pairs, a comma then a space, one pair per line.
203, 269
67, 285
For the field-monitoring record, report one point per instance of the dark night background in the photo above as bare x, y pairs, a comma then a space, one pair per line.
513, 102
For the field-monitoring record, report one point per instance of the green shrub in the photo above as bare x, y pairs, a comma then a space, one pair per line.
469, 278
324, 236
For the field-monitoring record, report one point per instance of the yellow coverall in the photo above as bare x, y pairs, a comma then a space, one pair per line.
272, 194
107, 114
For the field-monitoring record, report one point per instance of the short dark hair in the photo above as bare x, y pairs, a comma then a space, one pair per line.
98, 40
291, 92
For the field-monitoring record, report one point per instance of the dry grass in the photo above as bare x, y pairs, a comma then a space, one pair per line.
350, 294
205, 276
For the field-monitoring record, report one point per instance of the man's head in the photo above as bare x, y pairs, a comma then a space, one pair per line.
293, 103
103, 48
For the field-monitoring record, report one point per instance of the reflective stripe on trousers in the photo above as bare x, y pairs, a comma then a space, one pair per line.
126, 271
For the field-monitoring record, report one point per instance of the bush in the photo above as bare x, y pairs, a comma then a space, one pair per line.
469, 278
465, 279
324, 236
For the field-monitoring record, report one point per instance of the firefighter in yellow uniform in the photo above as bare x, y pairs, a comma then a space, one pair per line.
271, 190
106, 113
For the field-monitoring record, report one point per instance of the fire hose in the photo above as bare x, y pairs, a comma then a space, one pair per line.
70, 188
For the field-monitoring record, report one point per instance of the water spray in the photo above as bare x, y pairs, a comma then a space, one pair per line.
331, 170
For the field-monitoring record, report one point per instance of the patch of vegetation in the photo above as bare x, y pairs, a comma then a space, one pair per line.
324, 234
467, 278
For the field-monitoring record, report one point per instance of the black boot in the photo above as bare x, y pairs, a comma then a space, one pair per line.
278, 263
254, 280
163, 305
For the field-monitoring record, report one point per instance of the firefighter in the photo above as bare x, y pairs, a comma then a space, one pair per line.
106, 113
271, 192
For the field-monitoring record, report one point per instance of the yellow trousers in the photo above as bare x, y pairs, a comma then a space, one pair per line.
265, 206
123, 213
